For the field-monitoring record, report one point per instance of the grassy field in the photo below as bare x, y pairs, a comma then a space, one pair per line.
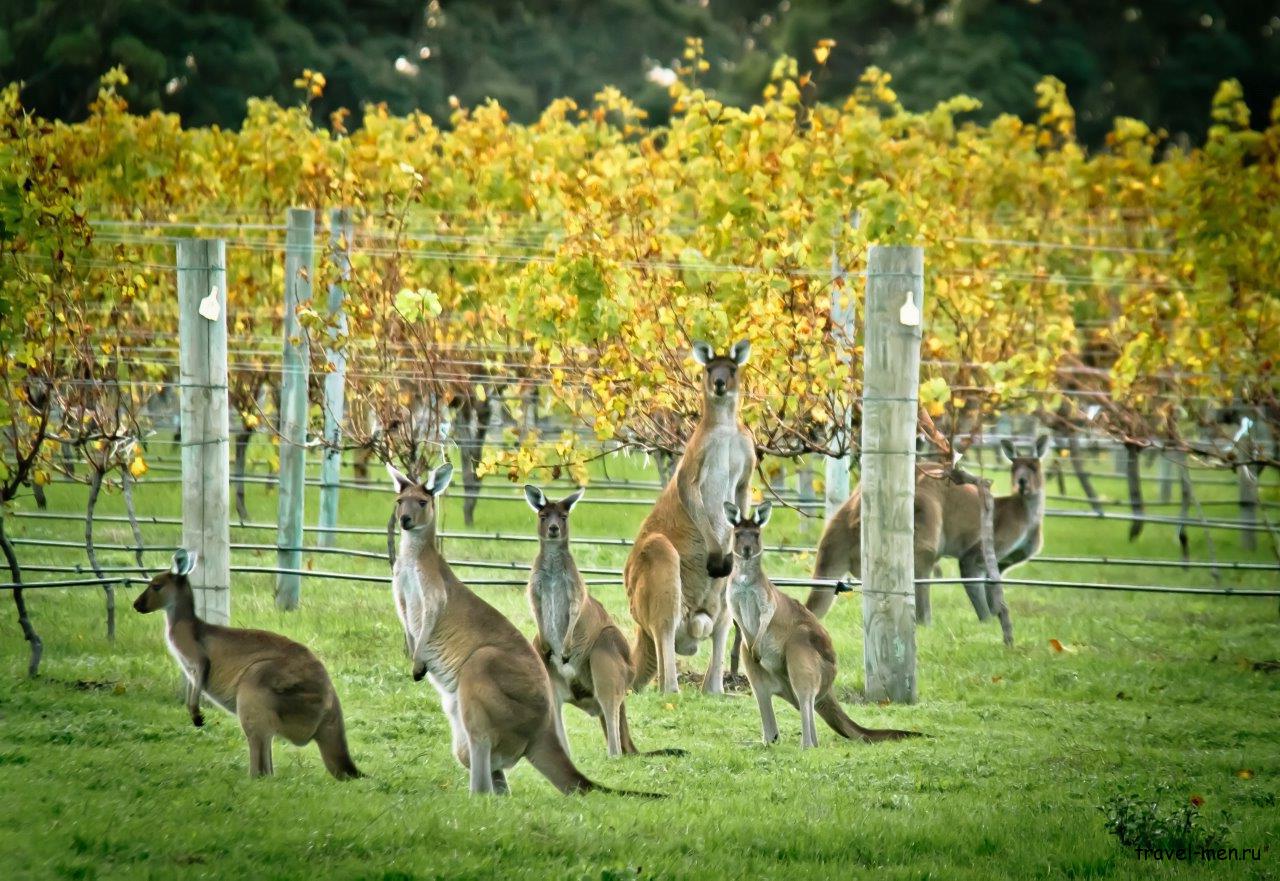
102, 776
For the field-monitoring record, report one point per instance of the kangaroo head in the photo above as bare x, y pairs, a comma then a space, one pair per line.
746, 528
416, 502
167, 586
720, 373
553, 517
1027, 478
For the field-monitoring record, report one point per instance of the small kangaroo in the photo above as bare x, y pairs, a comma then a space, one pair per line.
785, 650
586, 655
676, 573
492, 684
948, 520
273, 685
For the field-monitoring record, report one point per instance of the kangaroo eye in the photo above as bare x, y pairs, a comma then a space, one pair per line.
422, 503
155, 587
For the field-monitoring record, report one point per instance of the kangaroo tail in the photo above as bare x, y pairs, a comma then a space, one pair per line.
628, 745
833, 560
841, 724
331, 738
549, 757
645, 658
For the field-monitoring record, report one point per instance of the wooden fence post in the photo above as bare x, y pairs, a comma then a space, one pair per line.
202, 381
891, 379
299, 269
836, 476
335, 381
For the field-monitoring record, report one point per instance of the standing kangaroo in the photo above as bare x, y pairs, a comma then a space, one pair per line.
948, 519
586, 655
676, 573
273, 685
785, 649
492, 684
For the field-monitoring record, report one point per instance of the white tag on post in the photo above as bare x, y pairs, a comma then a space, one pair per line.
209, 307
909, 314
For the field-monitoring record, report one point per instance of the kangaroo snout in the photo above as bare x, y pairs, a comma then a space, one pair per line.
406, 522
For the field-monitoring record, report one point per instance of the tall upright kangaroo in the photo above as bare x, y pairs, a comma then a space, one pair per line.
492, 684
676, 572
586, 655
948, 519
273, 685
785, 649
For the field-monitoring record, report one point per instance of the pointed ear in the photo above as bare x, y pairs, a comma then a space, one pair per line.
703, 353
534, 497
574, 497
763, 513
740, 352
398, 479
439, 480
1009, 452
731, 511
1044, 443
183, 562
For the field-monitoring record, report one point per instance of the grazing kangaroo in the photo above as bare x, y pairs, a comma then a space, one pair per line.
785, 650
273, 685
492, 684
676, 573
586, 655
948, 518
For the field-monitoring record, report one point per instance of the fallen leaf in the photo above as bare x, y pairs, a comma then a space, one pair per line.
1245, 774
997, 678
1197, 800
1056, 645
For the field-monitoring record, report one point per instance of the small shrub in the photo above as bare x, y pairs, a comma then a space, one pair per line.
1145, 823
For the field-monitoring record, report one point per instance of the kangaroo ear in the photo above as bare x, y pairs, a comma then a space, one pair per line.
574, 497
438, 482
731, 511
740, 352
1009, 452
703, 353
1044, 443
183, 562
534, 497
763, 513
398, 479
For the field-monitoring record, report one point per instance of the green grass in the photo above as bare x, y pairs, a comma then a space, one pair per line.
102, 776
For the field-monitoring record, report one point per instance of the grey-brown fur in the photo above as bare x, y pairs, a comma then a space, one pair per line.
273, 685
948, 524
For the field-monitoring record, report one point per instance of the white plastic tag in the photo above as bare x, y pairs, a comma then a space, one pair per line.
209, 307
909, 314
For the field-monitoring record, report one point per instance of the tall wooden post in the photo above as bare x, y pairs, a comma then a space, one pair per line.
836, 477
891, 379
202, 381
335, 381
299, 269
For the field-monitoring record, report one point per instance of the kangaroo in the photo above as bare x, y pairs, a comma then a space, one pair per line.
492, 684
785, 650
273, 685
676, 573
948, 524
586, 655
